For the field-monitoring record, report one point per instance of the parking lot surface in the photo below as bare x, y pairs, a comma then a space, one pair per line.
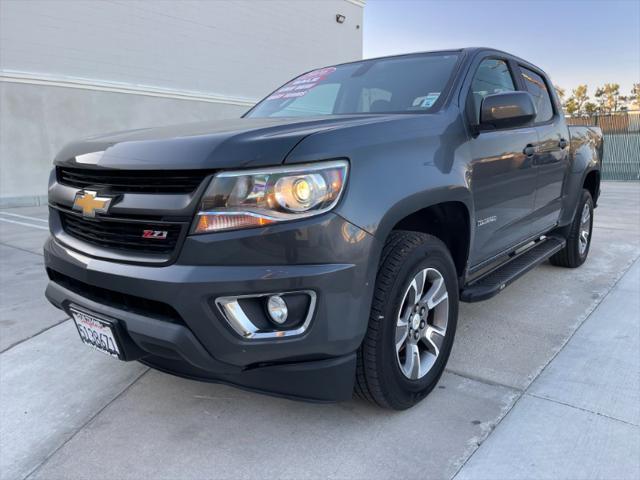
543, 382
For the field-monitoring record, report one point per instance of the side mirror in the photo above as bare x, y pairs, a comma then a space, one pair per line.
505, 110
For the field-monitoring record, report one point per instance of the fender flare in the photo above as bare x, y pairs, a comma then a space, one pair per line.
423, 200
572, 196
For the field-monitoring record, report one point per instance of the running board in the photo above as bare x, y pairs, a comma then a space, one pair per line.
497, 280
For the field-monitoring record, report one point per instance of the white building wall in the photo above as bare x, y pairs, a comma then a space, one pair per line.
71, 68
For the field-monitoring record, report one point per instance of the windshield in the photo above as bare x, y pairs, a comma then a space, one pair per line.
412, 83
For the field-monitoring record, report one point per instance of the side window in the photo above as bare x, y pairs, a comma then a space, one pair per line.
492, 76
537, 87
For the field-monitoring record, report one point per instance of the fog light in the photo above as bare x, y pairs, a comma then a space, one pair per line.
277, 309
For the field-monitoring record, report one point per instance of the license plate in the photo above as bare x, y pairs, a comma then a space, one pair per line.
96, 332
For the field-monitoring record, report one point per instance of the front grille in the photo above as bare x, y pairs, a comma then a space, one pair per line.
122, 234
122, 301
132, 181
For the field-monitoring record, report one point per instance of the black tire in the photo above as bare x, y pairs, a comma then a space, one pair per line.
571, 255
379, 376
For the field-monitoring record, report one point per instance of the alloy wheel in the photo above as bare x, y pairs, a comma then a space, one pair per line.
585, 229
422, 323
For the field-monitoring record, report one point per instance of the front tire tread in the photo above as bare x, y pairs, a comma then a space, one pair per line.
368, 385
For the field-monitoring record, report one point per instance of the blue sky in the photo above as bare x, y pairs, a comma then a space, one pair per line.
588, 41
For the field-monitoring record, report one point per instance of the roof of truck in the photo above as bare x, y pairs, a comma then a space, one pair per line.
471, 51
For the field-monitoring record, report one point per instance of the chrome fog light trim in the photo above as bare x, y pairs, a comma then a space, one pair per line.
242, 325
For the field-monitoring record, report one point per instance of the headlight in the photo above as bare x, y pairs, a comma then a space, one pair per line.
253, 198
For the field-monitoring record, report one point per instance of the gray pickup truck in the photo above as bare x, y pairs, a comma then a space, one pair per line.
319, 245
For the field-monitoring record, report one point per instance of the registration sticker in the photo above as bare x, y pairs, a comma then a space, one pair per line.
429, 100
418, 101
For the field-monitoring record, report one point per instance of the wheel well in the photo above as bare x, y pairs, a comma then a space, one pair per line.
592, 183
447, 221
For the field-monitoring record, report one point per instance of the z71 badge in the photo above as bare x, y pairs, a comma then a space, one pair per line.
156, 234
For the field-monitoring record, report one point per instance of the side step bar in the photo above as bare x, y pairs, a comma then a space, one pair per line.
497, 280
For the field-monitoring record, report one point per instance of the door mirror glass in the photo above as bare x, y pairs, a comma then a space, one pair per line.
506, 110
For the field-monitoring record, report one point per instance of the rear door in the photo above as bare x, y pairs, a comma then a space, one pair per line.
552, 157
502, 176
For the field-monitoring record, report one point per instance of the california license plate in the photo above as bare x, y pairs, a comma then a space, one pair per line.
96, 332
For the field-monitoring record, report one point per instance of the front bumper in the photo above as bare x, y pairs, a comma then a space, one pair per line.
326, 255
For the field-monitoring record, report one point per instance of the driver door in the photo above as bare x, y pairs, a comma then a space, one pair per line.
502, 175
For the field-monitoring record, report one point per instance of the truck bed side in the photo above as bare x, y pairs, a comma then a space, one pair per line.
586, 147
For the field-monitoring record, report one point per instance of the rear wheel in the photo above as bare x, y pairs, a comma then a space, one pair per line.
412, 323
579, 240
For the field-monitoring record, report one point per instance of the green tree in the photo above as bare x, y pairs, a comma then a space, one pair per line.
635, 96
575, 104
600, 99
561, 92
571, 107
580, 96
590, 108
623, 103
608, 97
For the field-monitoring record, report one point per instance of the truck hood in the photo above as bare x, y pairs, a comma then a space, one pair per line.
243, 142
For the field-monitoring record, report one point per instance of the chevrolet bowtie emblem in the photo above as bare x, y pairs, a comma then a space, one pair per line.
90, 203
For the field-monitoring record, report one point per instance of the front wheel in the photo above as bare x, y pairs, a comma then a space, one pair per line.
412, 323
579, 239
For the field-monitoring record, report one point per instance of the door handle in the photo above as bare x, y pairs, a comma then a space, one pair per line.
529, 150
563, 143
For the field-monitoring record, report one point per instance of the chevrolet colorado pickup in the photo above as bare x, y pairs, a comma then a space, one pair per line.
319, 245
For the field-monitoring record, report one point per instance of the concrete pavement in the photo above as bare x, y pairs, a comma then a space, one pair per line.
543, 382
580, 418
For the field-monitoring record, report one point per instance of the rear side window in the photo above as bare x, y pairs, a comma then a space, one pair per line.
492, 76
537, 87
